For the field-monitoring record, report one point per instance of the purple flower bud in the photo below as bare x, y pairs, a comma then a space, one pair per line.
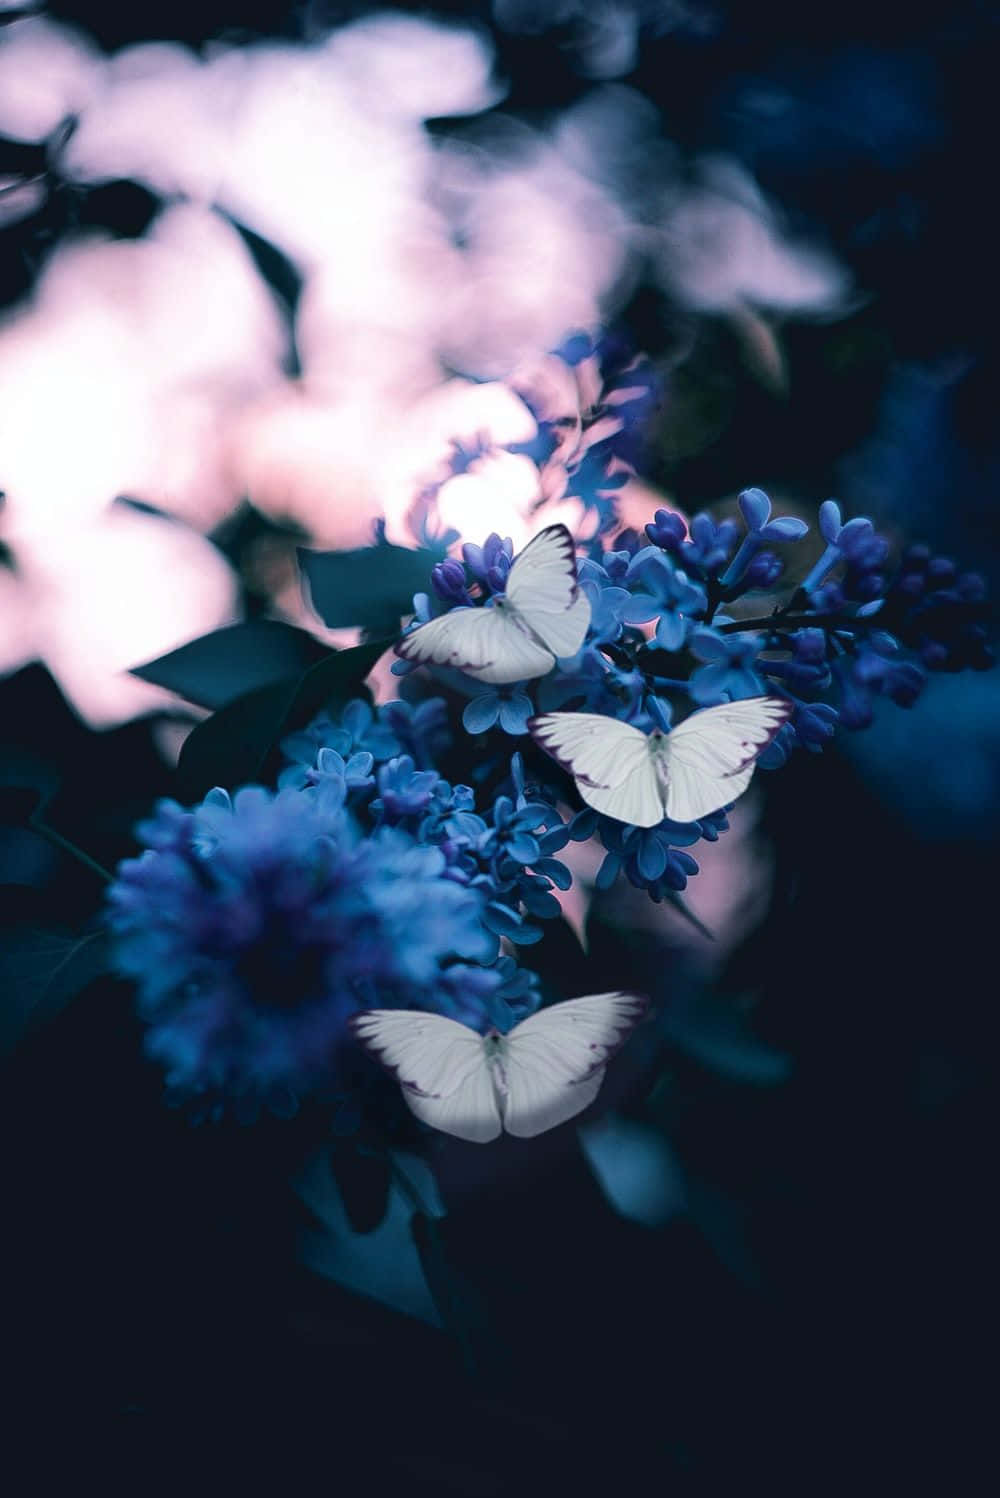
764, 570
972, 587
867, 588
911, 584
448, 581
934, 655
830, 598
941, 570
755, 508
666, 530
810, 645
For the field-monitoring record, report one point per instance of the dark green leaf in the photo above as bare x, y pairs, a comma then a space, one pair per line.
42, 968
233, 746
218, 668
372, 587
460, 1307
363, 1182
718, 1034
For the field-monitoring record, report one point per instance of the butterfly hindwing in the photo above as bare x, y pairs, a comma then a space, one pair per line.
442, 1068
554, 1061
610, 762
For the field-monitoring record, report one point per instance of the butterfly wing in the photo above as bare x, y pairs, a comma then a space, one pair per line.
442, 1067
711, 755
554, 1062
543, 590
610, 761
486, 643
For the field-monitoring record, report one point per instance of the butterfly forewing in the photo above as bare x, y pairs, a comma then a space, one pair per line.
485, 643
611, 762
565, 632
469, 1112
542, 579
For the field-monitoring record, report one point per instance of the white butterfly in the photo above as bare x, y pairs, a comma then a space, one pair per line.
702, 764
544, 1071
541, 615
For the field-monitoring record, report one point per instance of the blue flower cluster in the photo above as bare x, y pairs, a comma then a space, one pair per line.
255, 927
678, 615
505, 851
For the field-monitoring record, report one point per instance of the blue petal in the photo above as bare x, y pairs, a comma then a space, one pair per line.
708, 684
515, 712
755, 507
709, 646
552, 868
829, 520
502, 920
523, 847
670, 631
640, 608
554, 840
481, 713
787, 528
652, 859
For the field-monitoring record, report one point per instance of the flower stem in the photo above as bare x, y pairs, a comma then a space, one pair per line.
57, 839
791, 621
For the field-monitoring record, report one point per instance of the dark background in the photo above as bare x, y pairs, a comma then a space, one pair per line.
822, 1302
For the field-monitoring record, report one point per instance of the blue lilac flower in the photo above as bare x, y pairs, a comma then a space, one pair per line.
420, 728
332, 774
855, 543
255, 927
755, 507
358, 729
710, 545
650, 857
729, 672
403, 790
510, 706
665, 594
608, 605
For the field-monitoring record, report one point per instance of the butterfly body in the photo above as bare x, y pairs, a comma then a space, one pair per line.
541, 1073
641, 778
519, 634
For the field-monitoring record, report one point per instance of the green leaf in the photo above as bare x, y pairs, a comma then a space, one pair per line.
233, 747
217, 668
42, 968
372, 587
